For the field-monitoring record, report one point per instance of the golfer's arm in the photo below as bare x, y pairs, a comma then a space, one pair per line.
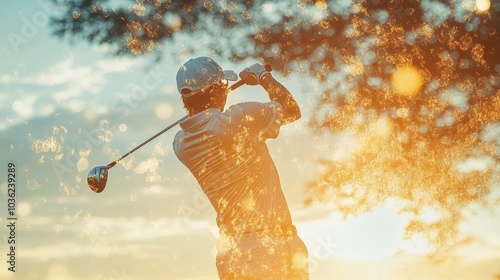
277, 92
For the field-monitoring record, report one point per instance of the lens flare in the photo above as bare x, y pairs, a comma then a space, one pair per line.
406, 81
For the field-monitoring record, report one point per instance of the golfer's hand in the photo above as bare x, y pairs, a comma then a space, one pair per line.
253, 75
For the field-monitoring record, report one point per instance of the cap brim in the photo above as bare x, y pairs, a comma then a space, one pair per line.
230, 75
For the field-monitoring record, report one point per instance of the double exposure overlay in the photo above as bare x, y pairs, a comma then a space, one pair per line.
415, 84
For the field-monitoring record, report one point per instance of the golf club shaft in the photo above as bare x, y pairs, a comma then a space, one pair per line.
231, 88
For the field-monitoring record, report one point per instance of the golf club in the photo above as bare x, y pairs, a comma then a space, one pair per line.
98, 176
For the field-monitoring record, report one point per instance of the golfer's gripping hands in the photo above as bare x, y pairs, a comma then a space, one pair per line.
258, 75
255, 74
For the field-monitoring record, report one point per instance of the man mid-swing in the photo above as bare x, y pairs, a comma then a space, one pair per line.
227, 154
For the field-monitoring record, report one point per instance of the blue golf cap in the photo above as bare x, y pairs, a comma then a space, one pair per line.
200, 73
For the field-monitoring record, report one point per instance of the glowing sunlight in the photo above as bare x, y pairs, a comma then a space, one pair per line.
407, 81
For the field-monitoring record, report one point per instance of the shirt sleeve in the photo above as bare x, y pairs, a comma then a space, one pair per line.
261, 120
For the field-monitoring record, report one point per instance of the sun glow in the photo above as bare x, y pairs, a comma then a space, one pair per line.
483, 5
406, 81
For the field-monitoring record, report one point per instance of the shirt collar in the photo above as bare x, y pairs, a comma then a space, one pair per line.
199, 118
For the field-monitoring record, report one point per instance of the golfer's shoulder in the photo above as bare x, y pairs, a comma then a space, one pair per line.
179, 135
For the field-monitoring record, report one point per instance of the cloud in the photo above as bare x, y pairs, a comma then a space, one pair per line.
21, 109
64, 84
67, 72
24, 106
77, 78
141, 229
99, 236
62, 250
119, 64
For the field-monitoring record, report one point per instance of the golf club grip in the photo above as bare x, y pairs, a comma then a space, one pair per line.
236, 85
241, 82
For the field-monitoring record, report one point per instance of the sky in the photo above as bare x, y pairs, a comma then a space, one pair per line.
67, 107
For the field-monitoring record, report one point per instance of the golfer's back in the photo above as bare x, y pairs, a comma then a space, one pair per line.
227, 154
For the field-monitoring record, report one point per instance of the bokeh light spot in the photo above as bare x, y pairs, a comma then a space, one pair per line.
122, 127
82, 164
164, 111
139, 9
170, 90
406, 81
50, 144
90, 115
173, 21
483, 5
24, 209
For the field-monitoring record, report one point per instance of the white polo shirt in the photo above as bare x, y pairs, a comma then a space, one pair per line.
227, 154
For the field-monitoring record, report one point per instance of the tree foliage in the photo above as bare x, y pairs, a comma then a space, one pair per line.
415, 84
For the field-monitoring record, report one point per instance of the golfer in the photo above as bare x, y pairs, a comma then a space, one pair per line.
226, 152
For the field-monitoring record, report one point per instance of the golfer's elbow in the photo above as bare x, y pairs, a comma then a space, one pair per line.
277, 92
291, 113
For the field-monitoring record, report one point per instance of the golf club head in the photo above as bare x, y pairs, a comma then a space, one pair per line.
97, 178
